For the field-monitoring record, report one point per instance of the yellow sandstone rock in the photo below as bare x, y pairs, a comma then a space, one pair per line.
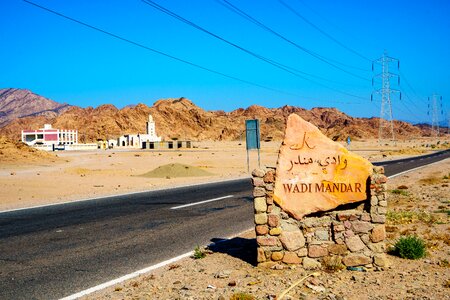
316, 174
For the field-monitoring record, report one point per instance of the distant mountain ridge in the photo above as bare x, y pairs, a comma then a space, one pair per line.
180, 118
19, 103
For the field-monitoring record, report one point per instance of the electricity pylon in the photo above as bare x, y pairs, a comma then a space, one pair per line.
385, 90
435, 110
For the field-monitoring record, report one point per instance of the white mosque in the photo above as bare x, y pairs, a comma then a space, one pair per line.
137, 140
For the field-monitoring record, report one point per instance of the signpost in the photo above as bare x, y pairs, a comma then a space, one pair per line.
252, 138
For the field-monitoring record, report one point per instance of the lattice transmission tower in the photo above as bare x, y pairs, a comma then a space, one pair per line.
435, 111
386, 126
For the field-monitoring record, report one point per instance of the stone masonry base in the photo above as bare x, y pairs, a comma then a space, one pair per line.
349, 236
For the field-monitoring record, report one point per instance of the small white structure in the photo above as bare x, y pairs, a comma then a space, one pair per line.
48, 136
138, 140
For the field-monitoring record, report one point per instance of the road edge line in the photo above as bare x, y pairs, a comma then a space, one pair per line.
143, 271
410, 170
201, 202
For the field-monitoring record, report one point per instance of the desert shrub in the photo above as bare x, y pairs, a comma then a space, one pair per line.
410, 247
242, 296
406, 217
199, 253
399, 192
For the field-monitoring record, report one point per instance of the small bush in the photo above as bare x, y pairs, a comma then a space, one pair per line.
199, 253
242, 296
410, 247
399, 192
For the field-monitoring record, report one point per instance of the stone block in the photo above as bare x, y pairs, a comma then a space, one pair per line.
302, 140
261, 219
382, 203
292, 240
361, 227
382, 210
261, 256
273, 220
378, 218
276, 210
365, 217
347, 224
317, 222
275, 231
256, 181
354, 243
365, 238
354, 260
378, 234
269, 177
269, 200
289, 225
266, 241
268, 264
276, 256
302, 252
269, 187
338, 228
322, 235
337, 249
315, 251
259, 192
377, 247
258, 173
260, 204
378, 170
373, 201
269, 208
291, 258
381, 260
348, 233
261, 229
310, 263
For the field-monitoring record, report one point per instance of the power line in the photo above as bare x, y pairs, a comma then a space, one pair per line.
246, 16
336, 27
295, 12
411, 87
272, 62
158, 51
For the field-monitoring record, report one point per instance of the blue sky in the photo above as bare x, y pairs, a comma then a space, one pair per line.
68, 62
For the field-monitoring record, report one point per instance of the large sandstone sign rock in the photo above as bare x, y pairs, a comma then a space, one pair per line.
316, 174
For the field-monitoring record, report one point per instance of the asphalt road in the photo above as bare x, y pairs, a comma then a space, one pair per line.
55, 251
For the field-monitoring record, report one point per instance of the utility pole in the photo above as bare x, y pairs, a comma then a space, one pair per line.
434, 110
386, 121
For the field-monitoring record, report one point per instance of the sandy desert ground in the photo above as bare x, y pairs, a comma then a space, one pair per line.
85, 174
422, 209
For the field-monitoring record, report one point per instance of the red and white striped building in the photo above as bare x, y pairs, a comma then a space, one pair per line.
50, 136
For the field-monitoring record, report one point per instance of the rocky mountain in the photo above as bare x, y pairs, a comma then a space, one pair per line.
18, 103
182, 119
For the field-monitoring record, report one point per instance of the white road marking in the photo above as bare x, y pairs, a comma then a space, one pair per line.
141, 272
407, 171
126, 277
201, 202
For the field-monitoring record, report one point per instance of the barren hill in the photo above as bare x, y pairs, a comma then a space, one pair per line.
182, 119
17, 103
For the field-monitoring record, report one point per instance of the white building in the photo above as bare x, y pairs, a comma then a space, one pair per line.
137, 140
48, 136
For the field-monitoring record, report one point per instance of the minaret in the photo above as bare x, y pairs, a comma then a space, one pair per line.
151, 126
